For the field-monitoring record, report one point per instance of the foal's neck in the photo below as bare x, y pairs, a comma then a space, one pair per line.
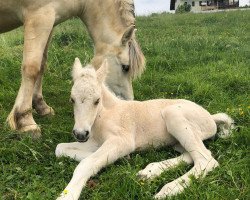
108, 98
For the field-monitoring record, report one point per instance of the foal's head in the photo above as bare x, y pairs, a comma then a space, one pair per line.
86, 97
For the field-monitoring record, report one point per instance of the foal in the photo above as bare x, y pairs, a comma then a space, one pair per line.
112, 128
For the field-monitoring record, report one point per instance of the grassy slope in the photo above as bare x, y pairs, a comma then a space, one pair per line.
201, 57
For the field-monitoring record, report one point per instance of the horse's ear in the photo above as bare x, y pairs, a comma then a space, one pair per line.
128, 35
102, 72
77, 67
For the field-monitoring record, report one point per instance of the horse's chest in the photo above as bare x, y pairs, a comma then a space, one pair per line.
102, 128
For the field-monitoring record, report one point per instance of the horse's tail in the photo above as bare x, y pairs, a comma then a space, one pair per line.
224, 123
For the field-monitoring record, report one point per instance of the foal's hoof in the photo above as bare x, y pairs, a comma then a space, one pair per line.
151, 171
33, 131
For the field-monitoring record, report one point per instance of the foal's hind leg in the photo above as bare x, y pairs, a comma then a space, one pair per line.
38, 102
37, 28
180, 127
155, 169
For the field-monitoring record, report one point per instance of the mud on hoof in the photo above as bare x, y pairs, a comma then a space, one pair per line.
41, 107
24, 122
33, 131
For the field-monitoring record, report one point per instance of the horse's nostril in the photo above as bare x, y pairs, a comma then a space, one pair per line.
74, 132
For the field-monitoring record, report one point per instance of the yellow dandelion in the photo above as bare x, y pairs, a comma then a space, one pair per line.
65, 192
142, 183
241, 112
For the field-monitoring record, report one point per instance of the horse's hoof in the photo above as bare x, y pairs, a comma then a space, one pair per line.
46, 112
33, 131
42, 107
24, 122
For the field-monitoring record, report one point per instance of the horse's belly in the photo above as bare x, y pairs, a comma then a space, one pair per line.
8, 22
10, 15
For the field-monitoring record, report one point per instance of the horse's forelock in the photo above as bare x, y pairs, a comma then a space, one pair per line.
137, 59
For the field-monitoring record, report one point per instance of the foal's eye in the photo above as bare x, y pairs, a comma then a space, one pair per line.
72, 100
97, 102
125, 68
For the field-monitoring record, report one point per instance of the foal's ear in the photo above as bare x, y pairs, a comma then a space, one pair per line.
77, 67
128, 35
102, 72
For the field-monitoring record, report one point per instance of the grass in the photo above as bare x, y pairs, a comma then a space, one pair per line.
201, 57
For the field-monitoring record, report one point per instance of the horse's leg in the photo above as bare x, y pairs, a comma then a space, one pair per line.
76, 150
155, 169
38, 102
37, 28
180, 128
109, 152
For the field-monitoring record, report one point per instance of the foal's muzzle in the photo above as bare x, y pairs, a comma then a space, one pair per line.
81, 136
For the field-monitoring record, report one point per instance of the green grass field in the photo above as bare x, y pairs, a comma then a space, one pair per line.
201, 57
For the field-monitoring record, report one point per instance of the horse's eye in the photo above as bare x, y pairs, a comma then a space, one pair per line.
97, 102
72, 100
125, 68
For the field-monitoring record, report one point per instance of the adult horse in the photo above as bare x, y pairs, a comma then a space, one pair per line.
111, 26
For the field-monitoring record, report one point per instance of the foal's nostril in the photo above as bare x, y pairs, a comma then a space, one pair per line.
81, 137
86, 133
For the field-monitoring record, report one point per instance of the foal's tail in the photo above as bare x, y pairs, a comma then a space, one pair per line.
224, 123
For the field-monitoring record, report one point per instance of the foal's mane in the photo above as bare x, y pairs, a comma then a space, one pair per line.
137, 59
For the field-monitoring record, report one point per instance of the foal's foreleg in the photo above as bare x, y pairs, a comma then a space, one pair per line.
37, 28
76, 150
38, 101
180, 128
109, 152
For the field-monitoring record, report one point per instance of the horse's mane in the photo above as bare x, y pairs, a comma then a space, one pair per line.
127, 11
137, 59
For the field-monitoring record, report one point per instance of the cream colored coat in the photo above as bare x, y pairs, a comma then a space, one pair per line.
111, 26
112, 128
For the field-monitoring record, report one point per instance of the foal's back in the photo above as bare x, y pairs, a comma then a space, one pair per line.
147, 123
